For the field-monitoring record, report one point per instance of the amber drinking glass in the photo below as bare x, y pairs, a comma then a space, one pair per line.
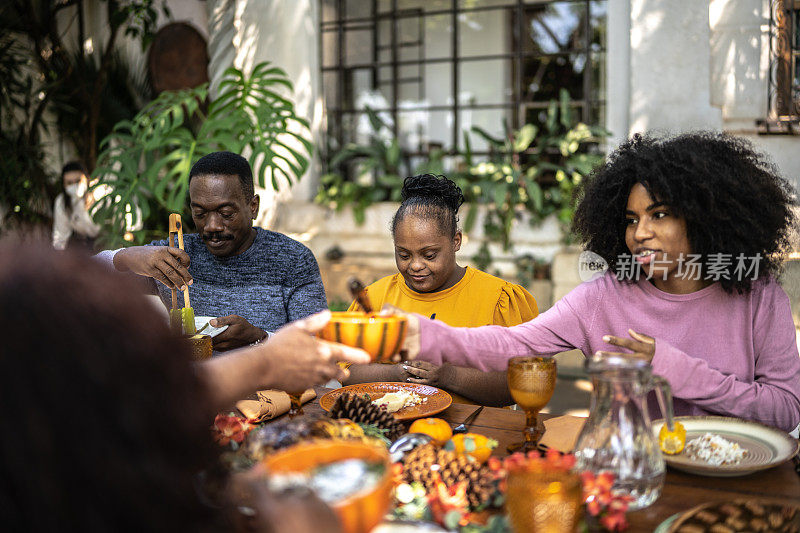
200, 345
531, 381
545, 502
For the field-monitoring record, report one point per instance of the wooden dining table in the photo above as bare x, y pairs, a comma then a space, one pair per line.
681, 491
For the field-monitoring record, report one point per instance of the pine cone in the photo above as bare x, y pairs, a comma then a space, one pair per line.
359, 409
418, 465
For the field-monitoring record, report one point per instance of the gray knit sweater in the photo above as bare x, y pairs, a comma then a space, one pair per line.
273, 282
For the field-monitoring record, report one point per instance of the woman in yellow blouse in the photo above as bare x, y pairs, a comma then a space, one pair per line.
431, 283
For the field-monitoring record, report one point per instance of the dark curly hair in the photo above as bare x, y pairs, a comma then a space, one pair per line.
732, 198
104, 422
431, 196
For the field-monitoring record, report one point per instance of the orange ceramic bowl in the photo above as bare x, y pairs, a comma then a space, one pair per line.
380, 336
360, 512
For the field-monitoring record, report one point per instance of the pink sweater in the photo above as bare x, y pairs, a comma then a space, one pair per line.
722, 353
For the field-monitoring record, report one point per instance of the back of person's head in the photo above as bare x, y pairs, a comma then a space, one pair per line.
225, 164
733, 199
104, 423
432, 197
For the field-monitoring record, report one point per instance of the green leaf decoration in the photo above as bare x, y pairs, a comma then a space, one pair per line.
144, 164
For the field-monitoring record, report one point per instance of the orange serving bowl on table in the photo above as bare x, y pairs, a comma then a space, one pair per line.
380, 336
360, 512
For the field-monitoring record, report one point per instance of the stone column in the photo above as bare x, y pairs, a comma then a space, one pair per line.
671, 66
247, 32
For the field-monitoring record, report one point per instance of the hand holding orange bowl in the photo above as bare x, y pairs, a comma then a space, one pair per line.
378, 335
359, 512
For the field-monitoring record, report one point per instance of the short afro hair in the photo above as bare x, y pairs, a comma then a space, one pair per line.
226, 164
733, 199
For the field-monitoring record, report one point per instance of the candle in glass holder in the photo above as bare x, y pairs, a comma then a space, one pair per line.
545, 502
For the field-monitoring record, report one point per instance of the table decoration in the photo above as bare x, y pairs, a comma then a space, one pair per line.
230, 429
473, 446
360, 409
434, 400
436, 428
467, 497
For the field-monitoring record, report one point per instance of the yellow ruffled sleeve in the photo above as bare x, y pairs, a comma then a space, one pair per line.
514, 306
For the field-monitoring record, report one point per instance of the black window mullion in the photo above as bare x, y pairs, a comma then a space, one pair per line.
587, 70
519, 115
339, 127
395, 69
375, 41
455, 73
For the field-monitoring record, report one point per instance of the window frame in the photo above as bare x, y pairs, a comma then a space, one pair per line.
515, 105
783, 99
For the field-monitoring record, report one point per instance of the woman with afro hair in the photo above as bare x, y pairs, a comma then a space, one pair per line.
431, 283
694, 229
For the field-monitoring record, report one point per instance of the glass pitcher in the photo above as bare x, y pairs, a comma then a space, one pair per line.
618, 436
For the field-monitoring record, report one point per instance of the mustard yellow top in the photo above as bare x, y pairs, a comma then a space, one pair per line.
478, 299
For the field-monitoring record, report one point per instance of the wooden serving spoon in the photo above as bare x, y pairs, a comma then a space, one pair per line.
359, 292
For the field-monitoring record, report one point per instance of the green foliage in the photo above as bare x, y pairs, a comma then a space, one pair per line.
532, 171
26, 187
145, 162
376, 169
39, 76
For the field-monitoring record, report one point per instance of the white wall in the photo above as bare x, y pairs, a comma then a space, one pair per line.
694, 64
670, 70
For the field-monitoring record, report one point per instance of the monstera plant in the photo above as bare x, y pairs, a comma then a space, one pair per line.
143, 168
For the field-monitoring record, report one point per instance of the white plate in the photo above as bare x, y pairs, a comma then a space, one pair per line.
766, 446
200, 321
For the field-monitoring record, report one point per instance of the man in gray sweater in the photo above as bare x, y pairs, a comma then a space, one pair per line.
253, 280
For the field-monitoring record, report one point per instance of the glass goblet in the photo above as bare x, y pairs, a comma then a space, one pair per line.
531, 381
548, 502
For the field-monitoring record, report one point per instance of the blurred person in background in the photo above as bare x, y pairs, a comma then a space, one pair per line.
107, 418
72, 224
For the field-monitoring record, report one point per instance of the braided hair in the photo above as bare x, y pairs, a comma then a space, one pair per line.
433, 197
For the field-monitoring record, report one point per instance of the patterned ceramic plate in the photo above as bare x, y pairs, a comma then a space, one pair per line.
436, 400
766, 446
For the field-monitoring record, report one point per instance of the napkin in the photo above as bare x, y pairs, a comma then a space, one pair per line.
270, 404
561, 432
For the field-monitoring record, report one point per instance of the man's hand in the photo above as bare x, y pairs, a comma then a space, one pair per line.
162, 263
424, 372
240, 333
641, 345
299, 360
